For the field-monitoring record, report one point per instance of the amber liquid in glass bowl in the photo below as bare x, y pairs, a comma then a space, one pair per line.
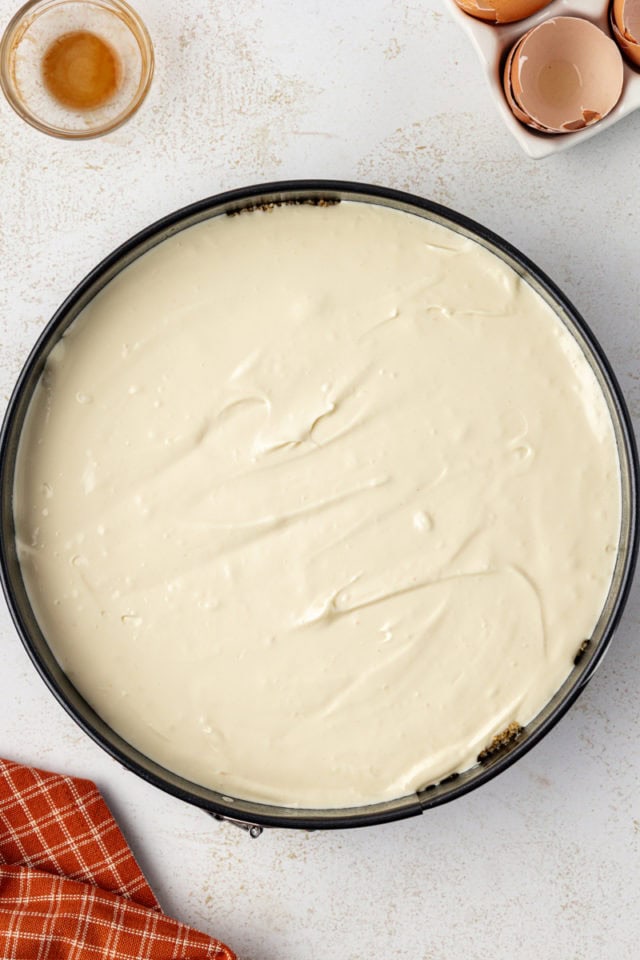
76, 68
80, 70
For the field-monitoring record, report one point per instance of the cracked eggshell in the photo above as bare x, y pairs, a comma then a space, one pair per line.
625, 26
514, 106
501, 11
566, 74
508, 89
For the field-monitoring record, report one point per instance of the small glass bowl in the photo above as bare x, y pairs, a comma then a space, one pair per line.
30, 34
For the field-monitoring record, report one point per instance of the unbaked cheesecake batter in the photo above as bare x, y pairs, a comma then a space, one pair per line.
313, 502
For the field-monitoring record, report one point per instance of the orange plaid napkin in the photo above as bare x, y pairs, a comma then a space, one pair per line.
70, 888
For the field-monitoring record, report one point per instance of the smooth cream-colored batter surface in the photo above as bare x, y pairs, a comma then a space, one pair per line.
311, 503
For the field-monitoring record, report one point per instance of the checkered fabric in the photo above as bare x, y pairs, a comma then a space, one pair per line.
70, 888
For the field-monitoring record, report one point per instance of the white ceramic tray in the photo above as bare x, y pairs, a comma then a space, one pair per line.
493, 42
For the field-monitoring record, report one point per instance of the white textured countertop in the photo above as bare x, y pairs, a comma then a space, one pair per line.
545, 860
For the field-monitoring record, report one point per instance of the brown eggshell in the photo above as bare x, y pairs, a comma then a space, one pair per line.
514, 106
625, 26
617, 14
508, 90
631, 50
480, 9
626, 16
501, 11
566, 74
